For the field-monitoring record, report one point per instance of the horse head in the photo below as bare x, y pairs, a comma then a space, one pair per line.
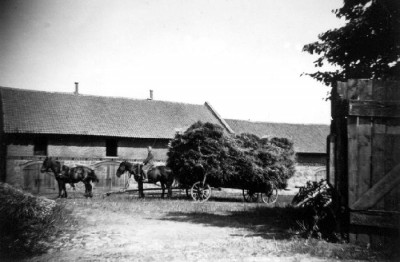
123, 167
48, 165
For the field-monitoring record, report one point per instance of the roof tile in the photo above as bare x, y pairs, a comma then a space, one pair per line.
27, 111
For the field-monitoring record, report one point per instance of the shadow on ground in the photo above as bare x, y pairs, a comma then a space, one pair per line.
265, 222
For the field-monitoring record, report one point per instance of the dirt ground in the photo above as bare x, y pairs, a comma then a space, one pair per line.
105, 232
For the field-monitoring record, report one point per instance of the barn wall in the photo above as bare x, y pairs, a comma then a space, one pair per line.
91, 151
137, 148
309, 167
88, 147
311, 159
77, 150
77, 147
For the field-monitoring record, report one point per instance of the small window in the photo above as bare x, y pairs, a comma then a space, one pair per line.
40, 147
111, 147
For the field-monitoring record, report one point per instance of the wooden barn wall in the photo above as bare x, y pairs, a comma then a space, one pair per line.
77, 150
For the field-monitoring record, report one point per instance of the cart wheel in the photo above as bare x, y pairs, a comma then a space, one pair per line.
271, 196
200, 192
250, 196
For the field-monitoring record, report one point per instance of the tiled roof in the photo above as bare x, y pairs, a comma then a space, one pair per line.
306, 138
38, 112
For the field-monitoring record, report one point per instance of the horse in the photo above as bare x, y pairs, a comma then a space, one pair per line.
65, 174
160, 174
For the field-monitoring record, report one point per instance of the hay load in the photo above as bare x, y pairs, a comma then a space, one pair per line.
241, 161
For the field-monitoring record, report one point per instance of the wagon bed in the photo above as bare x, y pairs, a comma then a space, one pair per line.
201, 192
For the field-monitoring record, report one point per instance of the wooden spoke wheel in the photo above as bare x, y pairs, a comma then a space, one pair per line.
250, 196
200, 192
271, 196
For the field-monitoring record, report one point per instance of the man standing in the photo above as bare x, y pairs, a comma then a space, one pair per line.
148, 164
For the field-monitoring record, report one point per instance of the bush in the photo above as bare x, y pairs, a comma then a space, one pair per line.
26, 221
243, 161
318, 217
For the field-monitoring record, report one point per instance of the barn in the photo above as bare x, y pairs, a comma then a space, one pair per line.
100, 132
94, 131
309, 143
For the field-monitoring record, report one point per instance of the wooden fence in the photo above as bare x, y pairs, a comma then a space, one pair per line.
364, 152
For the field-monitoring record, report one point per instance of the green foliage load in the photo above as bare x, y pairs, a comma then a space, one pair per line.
243, 161
25, 221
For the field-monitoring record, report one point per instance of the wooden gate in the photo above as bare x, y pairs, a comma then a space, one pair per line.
107, 179
37, 182
364, 164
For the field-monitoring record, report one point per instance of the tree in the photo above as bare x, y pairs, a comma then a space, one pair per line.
367, 46
243, 161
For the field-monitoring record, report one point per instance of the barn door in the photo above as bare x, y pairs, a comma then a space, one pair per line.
37, 182
373, 129
107, 179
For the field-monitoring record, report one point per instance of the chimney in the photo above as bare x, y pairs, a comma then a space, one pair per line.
76, 88
151, 95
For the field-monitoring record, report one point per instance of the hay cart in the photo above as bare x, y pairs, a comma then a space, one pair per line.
201, 192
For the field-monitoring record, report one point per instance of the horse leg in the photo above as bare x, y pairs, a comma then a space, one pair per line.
141, 193
163, 189
88, 189
64, 189
169, 187
59, 183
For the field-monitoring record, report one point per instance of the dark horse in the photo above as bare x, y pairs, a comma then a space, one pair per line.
65, 174
160, 174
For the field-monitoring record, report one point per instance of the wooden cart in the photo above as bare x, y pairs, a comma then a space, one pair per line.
201, 192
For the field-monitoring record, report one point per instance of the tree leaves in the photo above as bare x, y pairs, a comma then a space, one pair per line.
368, 46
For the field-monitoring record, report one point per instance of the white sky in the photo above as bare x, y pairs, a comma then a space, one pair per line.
242, 56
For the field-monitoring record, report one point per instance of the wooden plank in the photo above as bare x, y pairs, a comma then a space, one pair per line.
352, 154
392, 90
364, 89
378, 156
331, 160
377, 219
379, 91
352, 89
374, 108
392, 198
364, 130
369, 198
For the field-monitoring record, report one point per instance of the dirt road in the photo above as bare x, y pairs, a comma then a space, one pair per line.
105, 232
